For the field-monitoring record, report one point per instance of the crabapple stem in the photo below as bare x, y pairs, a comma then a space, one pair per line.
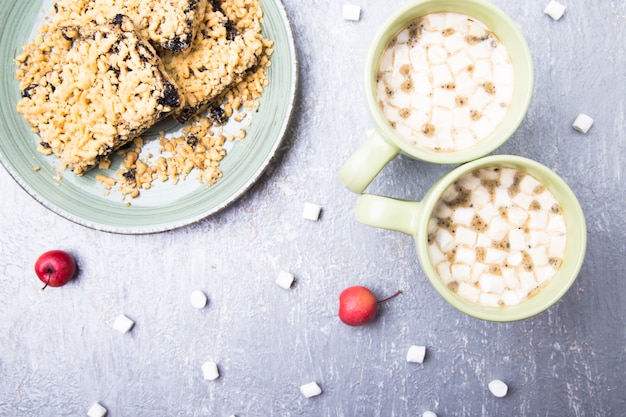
397, 293
47, 279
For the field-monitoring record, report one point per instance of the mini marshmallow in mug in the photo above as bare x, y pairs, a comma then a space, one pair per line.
446, 82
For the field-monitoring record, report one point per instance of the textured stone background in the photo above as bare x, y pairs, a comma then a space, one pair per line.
58, 353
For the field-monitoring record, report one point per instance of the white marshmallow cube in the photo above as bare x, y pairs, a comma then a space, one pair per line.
498, 228
285, 279
482, 127
436, 256
416, 354
443, 269
444, 239
514, 259
529, 184
198, 299
557, 246
469, 292
544, 274
546, 199
507, 176
582, 123
495, 256
523, 200
488, 211
538, 238
489, 300
498, 388
554, 9
465, 256
311, 389
210, 371
311, 212
556, 224
478, 269
517, 216
351, 12
437, 54
538, 256
463, 216
441, 75
461, 272
527, 282
429, 414
509, 277
538, 220
491, 283
510, 298
123, 324
502, 198
97, 410
459, 61
442, 211
517, 240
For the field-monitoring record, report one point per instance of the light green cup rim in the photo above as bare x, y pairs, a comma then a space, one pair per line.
506, 30
574, 251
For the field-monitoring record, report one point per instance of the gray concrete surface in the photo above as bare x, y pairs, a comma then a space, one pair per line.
58, 353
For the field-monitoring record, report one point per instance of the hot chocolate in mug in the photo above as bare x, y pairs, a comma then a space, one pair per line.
446, 81
501, 238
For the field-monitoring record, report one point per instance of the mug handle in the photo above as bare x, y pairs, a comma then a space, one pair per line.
389, 213
367, 161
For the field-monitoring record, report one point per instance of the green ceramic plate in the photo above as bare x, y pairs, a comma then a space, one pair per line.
83, 199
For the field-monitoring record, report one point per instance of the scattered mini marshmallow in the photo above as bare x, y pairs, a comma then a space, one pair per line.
416, 354
554, 9
123, 324
285, 279
429, 414
582, 123
311, 389
210, 371
351, 12
311, 212
97, 410
498, 388
198, 299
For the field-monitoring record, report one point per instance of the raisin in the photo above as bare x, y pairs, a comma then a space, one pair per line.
217, 5
192, 6
217, 115
68, 34
177, 45
231, 30
192, 140
118, 19
26, 93
170, 96
116, 71
129, 176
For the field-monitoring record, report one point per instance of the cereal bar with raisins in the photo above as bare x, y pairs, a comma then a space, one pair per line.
220, 55
107, 89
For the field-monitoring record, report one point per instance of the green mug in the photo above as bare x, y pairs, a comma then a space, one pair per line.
413, 217
384, 143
